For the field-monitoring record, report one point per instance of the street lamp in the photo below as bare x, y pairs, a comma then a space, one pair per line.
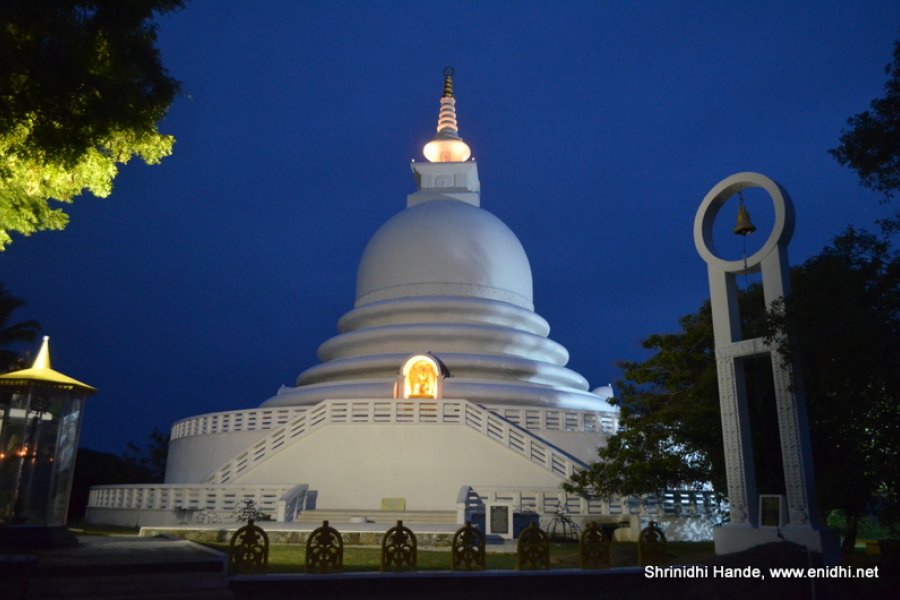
40, 420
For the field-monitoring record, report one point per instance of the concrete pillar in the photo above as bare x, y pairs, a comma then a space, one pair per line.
802, 523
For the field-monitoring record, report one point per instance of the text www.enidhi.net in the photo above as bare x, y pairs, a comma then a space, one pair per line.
836, 572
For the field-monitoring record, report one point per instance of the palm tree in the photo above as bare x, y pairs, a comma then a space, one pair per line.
13, 333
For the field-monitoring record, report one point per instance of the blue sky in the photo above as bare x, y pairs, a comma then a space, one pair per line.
205, 283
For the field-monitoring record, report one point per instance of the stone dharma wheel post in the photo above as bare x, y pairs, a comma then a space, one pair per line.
801, 524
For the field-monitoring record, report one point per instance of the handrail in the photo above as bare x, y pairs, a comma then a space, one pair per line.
549, 500
283, 502
457, 412
254, 419
555, 419
260, 419
193, 497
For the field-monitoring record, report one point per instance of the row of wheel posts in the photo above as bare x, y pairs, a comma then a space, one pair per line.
249, 549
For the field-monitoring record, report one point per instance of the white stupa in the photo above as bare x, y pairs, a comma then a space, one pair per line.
441, 383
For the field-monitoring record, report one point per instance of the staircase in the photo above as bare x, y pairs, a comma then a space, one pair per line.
354, 412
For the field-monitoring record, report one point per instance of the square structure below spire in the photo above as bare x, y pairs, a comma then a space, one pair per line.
446, 181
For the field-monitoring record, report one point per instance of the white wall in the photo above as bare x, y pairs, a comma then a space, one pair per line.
355, 466
193, 458
580, 444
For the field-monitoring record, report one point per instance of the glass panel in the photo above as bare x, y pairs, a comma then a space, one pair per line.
38, 440
64, 461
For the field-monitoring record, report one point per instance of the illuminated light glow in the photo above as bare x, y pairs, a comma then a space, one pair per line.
447, 146
42, 361
23, 452
447, 150
421, 375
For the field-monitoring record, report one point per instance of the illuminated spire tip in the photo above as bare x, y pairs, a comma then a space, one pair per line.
42, 360
447, 146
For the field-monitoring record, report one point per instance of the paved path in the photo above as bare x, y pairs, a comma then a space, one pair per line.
122, 568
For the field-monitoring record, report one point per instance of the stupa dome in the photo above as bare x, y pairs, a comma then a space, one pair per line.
444, 248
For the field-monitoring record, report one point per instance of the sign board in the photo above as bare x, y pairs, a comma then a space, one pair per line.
393, 504
499, 520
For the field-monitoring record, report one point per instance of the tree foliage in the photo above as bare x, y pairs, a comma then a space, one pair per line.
844, 315
82, 89
13, 333
871, 145
136, 465
100, 468
668, 420
152, 458
670, 433
845, 320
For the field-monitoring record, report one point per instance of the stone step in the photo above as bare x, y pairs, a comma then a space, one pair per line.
388, 518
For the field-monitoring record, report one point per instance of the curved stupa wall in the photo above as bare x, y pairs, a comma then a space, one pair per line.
447, 277
444, 248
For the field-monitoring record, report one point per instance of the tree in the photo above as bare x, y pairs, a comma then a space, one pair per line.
81, 90
845, 320
151, 459
845, 317
13, 333
871, 146
136, 465
668, 418
100, 468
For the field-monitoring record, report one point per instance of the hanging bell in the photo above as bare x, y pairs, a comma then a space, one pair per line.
743, 225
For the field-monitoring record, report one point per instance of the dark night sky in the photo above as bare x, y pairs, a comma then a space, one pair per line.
205, 283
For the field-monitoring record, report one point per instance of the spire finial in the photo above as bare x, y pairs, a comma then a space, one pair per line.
42, 360
448, 82
447, 146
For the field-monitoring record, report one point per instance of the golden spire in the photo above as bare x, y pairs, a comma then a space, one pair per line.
42, 360
447, 146
448, 82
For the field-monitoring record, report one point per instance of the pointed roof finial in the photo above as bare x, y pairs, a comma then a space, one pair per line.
447, 146
42, 360
448, 82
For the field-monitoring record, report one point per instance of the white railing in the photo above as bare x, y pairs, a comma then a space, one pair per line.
189, 499
255, 419
261, 419
549, 500
348, 412
545, 500
552, 419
